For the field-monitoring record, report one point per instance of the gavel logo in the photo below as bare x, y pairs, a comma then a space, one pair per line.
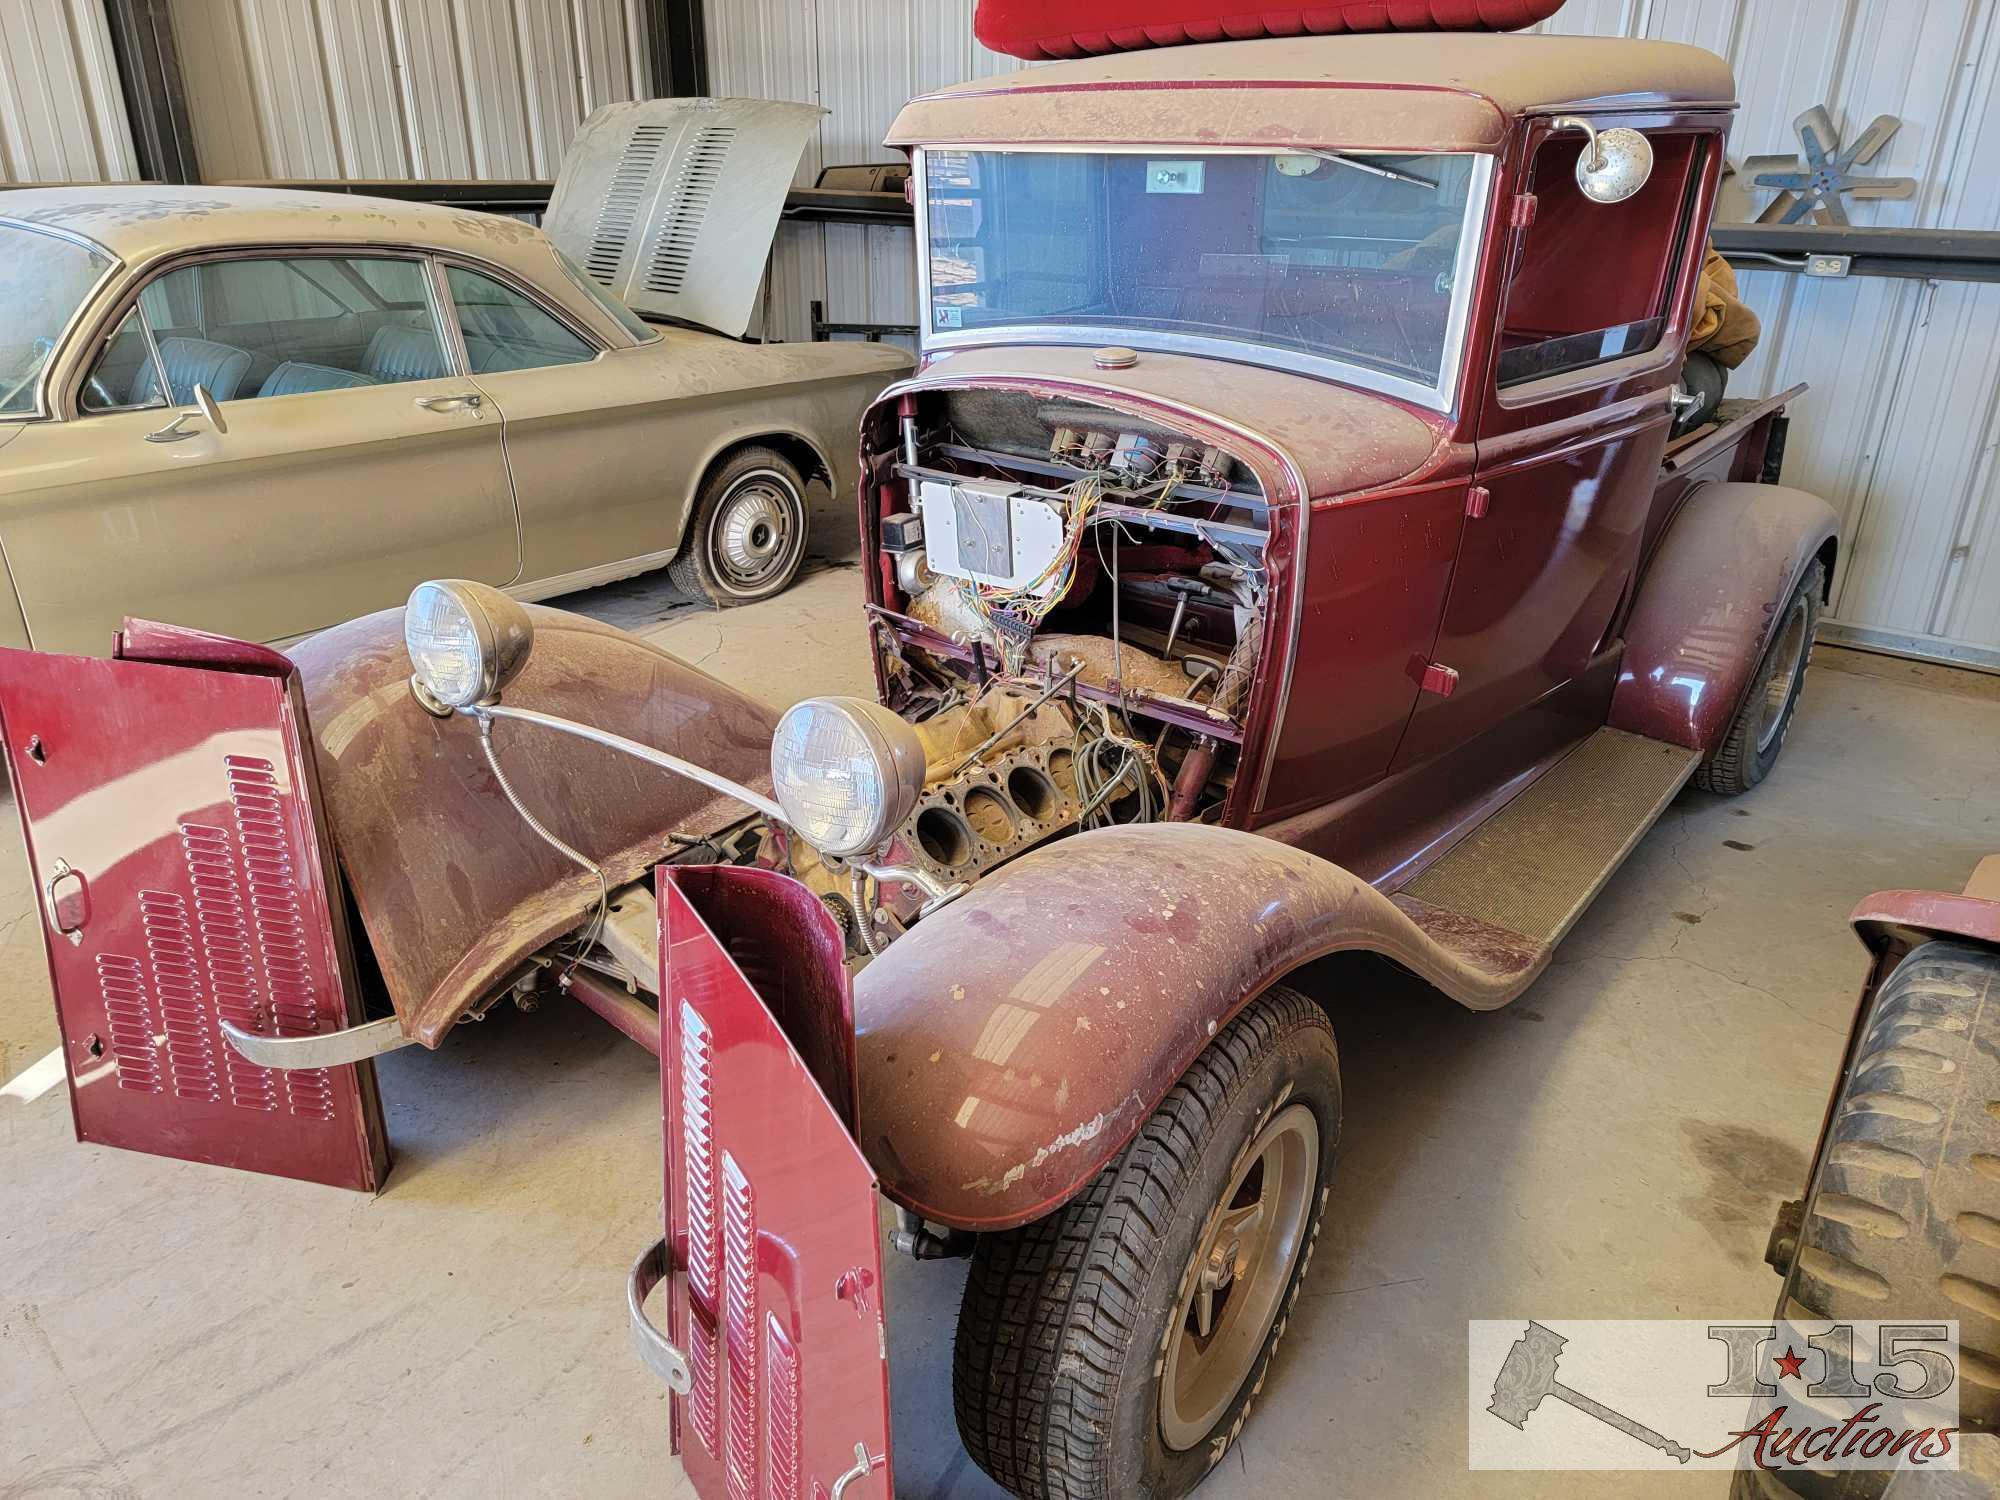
1529, 1376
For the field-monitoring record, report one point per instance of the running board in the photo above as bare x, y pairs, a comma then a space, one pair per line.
1533, 867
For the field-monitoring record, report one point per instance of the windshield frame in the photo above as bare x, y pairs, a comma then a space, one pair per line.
1442, 397
114, 266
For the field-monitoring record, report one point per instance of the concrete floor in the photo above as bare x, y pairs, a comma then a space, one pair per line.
1610, 1146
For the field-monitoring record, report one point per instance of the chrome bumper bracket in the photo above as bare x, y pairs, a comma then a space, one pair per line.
324, 1049
659, 1356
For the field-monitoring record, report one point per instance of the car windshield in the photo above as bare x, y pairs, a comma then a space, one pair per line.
43, 280
1343, 258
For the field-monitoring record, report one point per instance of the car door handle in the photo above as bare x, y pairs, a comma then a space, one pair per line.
451, 403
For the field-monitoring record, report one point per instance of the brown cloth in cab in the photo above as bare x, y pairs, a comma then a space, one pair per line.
1724, 326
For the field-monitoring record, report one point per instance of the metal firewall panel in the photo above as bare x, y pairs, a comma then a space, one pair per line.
771, 1218
670, 204
172, 838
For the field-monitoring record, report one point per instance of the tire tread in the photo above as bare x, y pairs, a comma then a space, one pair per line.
1051, 1308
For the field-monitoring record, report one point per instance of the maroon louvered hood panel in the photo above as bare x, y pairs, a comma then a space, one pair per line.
169, 817
773, 1241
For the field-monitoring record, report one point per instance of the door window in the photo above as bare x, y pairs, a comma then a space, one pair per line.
505, 330
274, 326
1593, 281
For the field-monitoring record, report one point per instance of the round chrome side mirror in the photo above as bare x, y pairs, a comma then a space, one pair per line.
205, 400
1615, 165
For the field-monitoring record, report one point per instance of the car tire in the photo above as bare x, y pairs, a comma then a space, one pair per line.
1078, 1371
747, 535
1756, 737
1902, 1218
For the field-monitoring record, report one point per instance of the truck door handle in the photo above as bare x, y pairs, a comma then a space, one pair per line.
68, 910
451, 403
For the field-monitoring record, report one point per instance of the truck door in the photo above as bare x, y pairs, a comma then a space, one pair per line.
773, 1247
172, 830
1592, 327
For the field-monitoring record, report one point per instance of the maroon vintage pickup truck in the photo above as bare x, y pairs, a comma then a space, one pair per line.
1295, 548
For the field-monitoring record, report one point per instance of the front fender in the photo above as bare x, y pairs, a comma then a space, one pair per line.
1013, 1043
453, 888
1707, 605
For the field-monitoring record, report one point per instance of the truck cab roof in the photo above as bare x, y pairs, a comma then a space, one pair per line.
1403, 92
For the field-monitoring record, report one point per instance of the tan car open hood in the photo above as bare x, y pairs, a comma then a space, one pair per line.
671, 204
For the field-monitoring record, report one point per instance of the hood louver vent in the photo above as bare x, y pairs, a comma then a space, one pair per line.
633, 202
623, 203
692, 191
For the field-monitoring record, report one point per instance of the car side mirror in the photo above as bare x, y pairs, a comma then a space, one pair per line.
1616, 164
205, 406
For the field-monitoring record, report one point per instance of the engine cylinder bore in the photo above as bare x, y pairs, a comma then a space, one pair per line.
944, 835
1033, 792
991, 818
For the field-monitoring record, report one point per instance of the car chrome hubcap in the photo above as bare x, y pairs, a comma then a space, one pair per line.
756, 531
1244, 1266
1786, 658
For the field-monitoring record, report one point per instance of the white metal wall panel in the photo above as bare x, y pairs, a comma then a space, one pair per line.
1898, 430
62, 116
398, 88
861, 59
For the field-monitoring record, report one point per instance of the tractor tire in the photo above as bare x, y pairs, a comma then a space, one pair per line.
1757, 736
1080, 1369
1903, 1217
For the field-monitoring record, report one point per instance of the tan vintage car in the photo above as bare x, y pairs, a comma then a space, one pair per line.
263, 411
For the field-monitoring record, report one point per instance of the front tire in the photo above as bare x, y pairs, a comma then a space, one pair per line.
1114, 1348
747, 536
1757, 736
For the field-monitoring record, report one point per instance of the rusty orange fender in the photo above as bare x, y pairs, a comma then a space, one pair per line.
453, 889
1012, 1044
1707, 603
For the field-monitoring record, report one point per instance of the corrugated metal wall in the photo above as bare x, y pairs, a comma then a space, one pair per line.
860, 59
1899, 430
400, 88
62, 117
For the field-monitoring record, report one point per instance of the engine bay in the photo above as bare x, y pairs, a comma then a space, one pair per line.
1074, 611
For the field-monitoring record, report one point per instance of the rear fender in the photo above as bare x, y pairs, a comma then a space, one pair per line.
1891, 923
1707, 604
1012, 1044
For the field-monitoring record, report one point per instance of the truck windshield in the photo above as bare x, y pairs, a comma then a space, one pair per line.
43, 280
1349, 259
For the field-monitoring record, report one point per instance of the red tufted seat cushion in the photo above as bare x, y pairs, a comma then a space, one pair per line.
1037, 29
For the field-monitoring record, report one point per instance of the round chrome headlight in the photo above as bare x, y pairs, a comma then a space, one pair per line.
467, 641
847, 772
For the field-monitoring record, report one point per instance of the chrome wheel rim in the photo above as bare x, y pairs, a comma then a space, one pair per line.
757, 532
1241, 1271
1786, 657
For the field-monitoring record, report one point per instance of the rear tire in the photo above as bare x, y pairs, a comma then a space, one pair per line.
1903, 1217
1077, 1347
747, 535
1757, 736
